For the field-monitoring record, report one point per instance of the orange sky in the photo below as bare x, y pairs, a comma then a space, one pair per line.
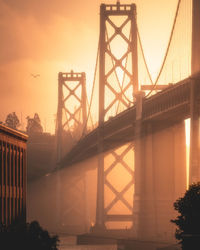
45, 37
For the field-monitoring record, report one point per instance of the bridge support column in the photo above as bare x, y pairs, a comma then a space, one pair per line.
100, 220
169, 165
99, 225
146, 193
194, 173
138, 205
160, 176
113, 96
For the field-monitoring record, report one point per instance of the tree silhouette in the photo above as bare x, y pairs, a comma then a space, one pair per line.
29, 236
34, 124
12, 120
188, 222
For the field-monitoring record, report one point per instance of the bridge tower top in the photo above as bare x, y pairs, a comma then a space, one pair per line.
118, 69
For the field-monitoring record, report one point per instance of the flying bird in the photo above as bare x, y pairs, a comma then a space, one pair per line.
35, 75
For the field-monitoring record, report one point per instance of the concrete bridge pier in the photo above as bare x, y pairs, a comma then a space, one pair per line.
139, 171
160, 177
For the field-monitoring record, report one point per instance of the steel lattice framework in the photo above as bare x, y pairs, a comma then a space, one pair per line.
71, 93
119, 159
113, 64
118, 88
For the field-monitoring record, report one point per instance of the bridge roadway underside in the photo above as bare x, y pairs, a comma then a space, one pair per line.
160, 111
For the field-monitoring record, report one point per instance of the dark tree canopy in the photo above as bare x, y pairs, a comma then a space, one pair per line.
34, 124
12, 120
188, 222
27, 236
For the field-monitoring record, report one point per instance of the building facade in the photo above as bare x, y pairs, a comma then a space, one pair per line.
12, 175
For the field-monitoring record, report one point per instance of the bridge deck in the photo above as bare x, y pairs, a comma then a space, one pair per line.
163, 109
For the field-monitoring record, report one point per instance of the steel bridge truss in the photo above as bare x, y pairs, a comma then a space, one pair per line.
118, 57
119, 180
118, 77
71, 114
69, 85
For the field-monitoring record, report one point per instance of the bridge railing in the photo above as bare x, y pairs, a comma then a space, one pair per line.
174, 96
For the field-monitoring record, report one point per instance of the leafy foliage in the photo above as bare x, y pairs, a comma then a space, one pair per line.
188, 222
34, 124
27, 236
12, 120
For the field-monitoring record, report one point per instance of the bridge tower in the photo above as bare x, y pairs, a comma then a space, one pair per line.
71, 118
108, 84
71, 113
194, 109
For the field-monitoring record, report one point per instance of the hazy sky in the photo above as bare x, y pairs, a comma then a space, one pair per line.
48, 36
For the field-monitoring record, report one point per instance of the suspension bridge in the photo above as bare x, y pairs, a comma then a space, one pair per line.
128, 162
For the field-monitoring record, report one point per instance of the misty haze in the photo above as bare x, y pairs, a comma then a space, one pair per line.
99, 123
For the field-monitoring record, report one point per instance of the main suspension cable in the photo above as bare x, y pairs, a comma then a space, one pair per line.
143, 56
168, 46
91, 98
89, 114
